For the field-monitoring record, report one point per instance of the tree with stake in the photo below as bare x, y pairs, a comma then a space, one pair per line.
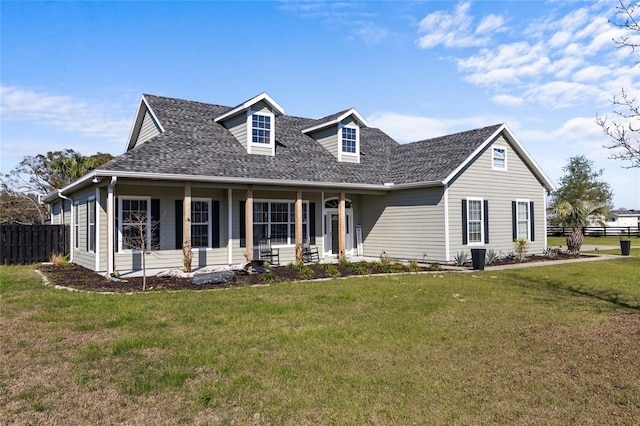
137, 232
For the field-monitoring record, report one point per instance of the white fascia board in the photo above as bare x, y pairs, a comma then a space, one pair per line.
137, 123
529, 159
352, 112
248, 104
518, 146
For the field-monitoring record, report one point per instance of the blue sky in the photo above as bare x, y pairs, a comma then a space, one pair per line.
72, 72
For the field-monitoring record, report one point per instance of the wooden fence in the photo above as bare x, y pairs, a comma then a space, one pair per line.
596, 231
26, 244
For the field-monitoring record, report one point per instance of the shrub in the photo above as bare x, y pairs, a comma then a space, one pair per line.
435, 267
414, 267
58, 259
491, 257
330, 269
550, 252
521, 246
461, 258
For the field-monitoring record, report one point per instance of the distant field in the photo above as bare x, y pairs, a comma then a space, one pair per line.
541, 345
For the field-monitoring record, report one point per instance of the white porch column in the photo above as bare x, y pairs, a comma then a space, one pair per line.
111, 220
342, 233
298, 225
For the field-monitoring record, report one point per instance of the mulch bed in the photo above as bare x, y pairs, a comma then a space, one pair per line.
80, 278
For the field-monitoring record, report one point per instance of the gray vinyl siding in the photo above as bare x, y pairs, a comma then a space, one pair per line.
81, 256
148, 129
328, 138
56, 213
261, 149
499, 188
238, 127
349, 158
404, 224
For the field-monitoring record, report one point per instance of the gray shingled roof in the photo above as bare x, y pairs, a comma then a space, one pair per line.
194, 144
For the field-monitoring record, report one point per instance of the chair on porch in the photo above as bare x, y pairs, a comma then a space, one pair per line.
268, 253
309, 254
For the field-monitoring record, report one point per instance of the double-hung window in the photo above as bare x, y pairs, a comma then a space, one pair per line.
499, 158
349, 140
91, 225
200, 223
135, 217
76, 224
276, 220
261, 129
474, 220
523, 220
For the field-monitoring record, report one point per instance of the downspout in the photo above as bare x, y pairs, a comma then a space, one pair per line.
447, 246
110, 228
72, 245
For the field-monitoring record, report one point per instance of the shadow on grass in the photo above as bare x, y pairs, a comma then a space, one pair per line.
609, 296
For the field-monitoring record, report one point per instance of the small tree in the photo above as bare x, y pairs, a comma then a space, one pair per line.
138, 235
582, 198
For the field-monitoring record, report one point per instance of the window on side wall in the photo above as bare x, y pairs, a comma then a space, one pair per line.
523, 218
261, 129
76, 225
499, 158
91, 225
474, 221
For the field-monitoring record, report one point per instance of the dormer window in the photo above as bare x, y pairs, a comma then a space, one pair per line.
261, 129
349, 139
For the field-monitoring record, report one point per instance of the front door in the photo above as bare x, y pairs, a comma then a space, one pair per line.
331, 233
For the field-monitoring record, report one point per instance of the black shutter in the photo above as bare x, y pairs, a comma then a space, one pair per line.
312, 223
243, 239
486, 221
87, 207
179, 219
514, 220
155, 224
215, 223
464, 223
532, 222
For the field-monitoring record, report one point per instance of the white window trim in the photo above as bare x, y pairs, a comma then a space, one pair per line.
95, 225
272, 134
517, 218
134, 197
75, 223
305, 206
482, 213
493, 163
209, 219
341, 153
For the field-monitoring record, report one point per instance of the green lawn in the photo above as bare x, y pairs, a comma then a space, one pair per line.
542, 345
595, 241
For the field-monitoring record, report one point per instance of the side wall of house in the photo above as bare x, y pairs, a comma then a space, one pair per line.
80, 230
498, 188
405, 224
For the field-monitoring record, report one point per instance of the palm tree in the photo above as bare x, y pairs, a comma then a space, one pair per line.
577, 215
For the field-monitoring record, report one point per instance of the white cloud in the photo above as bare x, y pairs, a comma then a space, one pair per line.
507, 100
410, 128
63, 112
456, 29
